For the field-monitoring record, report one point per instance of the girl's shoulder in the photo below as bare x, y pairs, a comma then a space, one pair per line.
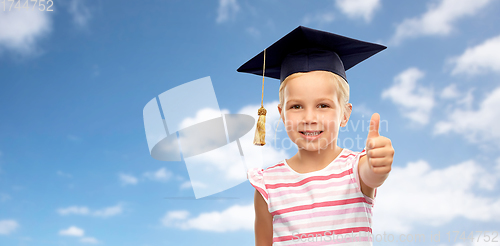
276, 166
261, 171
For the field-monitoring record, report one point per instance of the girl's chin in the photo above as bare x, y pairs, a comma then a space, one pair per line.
314, 147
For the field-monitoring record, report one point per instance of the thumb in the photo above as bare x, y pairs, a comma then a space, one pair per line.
374, 123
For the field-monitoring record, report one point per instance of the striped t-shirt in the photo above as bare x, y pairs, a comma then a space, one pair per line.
324, 207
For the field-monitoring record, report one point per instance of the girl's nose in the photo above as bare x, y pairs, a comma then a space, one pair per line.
310, 116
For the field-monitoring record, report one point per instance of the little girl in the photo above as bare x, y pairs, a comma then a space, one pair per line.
324, 194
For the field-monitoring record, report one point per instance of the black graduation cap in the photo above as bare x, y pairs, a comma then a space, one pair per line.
305, 49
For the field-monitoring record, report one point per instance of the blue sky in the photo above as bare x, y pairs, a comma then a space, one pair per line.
74, 162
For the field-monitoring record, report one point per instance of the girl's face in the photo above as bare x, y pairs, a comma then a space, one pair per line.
311, 105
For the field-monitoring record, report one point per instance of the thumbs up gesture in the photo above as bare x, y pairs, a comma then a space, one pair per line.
379, 150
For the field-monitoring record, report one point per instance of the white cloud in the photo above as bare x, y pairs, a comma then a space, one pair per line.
464, 99
89, 240
127, 179
202, 116
435, 196
82, 210
74, 210
479, 59
72, 231
438, 20
161, 175
319, 18
185, 185
22, 30
359, 8
488, 238
8, 226
227, 10
109, 211
234, 218
189, 184
414, 100
362, 109
450, 92
80, 12
459, 99
477, 126
173, 216
467, 99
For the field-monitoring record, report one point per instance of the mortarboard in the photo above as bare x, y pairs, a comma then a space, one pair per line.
304, 50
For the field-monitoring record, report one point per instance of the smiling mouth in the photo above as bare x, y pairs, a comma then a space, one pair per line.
312, 133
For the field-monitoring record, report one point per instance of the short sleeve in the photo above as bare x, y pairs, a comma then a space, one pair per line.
256, 178
356, 176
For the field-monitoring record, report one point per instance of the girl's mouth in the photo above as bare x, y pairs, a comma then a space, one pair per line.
311, 135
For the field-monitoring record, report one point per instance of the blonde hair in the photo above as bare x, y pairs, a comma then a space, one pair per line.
342, 90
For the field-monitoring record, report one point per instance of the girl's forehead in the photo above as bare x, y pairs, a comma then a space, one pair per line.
303, 91
318, 82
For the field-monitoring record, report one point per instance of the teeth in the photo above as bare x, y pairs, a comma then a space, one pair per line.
311, 133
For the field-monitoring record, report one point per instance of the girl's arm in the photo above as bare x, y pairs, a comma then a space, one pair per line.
375, 166
263, 222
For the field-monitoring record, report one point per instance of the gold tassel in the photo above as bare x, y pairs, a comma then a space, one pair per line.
260, 130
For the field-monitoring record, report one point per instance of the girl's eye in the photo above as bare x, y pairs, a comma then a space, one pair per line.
321, 106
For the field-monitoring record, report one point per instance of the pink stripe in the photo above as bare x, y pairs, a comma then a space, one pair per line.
273, 169
304, 227
293, 176
281, 164
309, 188
337, 232
313, 196
333, 241
286, 169
313, 178
322, 214
319, 204
277, 170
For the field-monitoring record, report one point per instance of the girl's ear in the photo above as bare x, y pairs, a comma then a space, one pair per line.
346, 115
281, 115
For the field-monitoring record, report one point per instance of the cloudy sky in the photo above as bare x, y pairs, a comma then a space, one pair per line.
75, 167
